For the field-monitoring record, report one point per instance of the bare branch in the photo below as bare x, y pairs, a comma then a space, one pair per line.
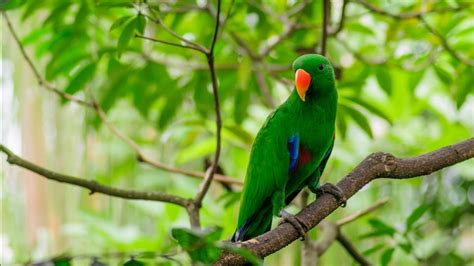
92, 185
346, 243
170, 43
204, 187
340, 26
326, 18
42, 82
375, 166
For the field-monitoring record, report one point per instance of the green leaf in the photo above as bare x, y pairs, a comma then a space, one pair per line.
61, 261
196, 150
386, 256
244, 72
373, 249
359, 118
119, 22
372, 108
11, 4
341, 123
202, 96
464, 86
125, 36
380, 225
361, 28
186, 238
141, 24
81, 78
241, 104
133, 262
384, 79
170, 109
115, 3
200, 245
415, 216
443, 75
406, 246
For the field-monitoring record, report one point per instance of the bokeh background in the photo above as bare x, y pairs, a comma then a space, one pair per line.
405, 83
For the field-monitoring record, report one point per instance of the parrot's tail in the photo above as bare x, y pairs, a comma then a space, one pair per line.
257, 224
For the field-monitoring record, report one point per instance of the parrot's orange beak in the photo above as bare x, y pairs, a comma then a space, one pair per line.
302, 81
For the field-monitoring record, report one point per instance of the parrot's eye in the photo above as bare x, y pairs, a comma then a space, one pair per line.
321, 66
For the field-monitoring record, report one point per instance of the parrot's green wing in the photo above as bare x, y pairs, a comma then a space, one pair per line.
267, 174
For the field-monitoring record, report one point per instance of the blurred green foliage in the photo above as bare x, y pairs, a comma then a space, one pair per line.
400, 91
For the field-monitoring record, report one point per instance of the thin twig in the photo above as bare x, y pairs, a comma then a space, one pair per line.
92, 185
346, 243
204, 187
324, 34
340, 26
42, 82
169, 43
158, 20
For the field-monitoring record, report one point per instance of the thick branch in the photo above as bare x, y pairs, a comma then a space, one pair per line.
377, 165
92, 185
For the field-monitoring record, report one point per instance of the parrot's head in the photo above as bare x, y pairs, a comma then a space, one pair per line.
314, 76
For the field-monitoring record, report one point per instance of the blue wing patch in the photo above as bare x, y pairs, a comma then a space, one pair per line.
293, 148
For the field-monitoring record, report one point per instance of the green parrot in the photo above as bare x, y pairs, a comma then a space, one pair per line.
291, 150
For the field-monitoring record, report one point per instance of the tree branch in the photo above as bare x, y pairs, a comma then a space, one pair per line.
169, 43
340, 26
204, 187
92, 185
377, 165
346, 243
94, 105
324, 34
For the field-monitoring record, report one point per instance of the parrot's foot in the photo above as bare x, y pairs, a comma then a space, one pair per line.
333, 190
299, 225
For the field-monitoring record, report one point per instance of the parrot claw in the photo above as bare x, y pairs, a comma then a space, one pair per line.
333, 190
298, 224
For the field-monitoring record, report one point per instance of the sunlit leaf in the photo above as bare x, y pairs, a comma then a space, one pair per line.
386, 257
416, 215
373, 249
119, 22
125, 36
383, 78
80, 80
